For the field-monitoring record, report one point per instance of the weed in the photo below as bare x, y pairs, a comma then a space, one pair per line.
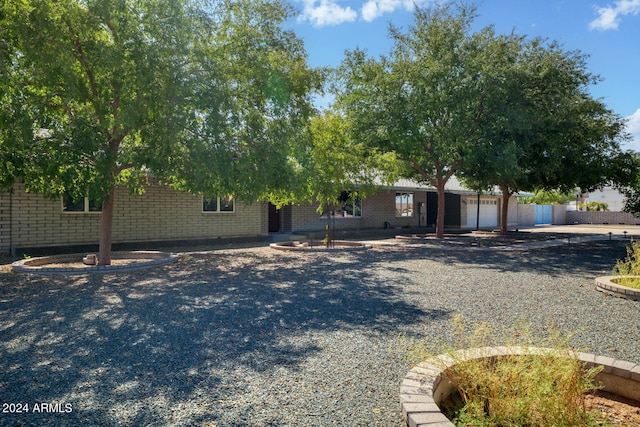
542, 386
630, 266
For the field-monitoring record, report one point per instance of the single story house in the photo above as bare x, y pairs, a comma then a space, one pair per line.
31, 223
405, 204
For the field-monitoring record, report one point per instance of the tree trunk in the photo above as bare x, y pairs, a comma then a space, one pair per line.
106, 228
504, 215
440, 218
328, 228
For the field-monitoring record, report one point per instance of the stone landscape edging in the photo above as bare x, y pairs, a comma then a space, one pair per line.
38, 265
426, 385
344, 245
607, 285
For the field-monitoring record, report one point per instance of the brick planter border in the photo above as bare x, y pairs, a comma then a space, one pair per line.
607, 285
343, 245
426, 385
39, 265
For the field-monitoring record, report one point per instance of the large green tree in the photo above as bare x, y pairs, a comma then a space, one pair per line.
102, 93
540, 127
420, 102
627, 180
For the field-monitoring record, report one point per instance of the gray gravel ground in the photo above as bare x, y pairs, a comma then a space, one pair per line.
257, 337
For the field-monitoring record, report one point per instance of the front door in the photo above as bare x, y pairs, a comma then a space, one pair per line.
274, 219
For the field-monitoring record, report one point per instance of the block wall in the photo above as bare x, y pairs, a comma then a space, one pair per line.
159, 214
581, 217
5, 222
512, 213
559, 214
526, 215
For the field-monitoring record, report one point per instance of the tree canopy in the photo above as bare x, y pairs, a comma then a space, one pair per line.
421, 101
539, 128
101, 93
627, 180
495, 110
330, 167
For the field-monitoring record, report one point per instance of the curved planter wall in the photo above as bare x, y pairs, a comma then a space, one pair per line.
340, 245
606, 284
41, 265
426, 385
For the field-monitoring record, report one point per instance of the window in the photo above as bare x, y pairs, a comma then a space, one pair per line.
82, 205
404, 204
348, 207
482, 202
219, 204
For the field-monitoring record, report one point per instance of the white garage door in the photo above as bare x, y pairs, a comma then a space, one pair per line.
488, 213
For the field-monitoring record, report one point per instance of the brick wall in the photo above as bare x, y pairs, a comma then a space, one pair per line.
580, 217
159, 214
5, 222
512, 213
526, 215
559, 214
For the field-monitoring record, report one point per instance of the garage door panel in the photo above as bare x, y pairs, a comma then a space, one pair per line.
488, 213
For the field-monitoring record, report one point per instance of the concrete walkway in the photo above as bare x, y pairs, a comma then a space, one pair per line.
615, 229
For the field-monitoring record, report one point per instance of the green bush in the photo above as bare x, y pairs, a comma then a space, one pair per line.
595, 206
542, 197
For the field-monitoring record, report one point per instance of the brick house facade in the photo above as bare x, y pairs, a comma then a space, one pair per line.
29, 221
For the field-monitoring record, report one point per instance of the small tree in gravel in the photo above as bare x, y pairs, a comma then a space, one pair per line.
333, 170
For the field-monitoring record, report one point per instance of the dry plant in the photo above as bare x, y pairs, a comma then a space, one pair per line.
629, 267
543, 386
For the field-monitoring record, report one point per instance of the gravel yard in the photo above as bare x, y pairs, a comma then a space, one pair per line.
258, 337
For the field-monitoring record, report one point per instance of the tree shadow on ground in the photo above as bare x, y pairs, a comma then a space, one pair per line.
583, 259
138, 348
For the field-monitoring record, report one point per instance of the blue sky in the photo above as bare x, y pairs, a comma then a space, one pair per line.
607, 30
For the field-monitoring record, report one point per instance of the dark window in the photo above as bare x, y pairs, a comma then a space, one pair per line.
218, 204
348, 206
83, 204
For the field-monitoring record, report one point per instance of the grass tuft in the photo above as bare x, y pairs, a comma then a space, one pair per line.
630, 266
545, 387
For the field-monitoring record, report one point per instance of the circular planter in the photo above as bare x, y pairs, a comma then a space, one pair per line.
608, 285
430, 236
338, 245
426, 385
50, 264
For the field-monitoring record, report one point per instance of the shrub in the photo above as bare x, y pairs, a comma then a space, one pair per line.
545, 387
630, 266
595, 207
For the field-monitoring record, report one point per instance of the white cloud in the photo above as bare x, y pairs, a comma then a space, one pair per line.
633, 127
322, 13
373, 9
609, 17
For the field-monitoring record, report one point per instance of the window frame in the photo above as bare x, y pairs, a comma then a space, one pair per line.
355, 205
404, 205
219, 205
87, 203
